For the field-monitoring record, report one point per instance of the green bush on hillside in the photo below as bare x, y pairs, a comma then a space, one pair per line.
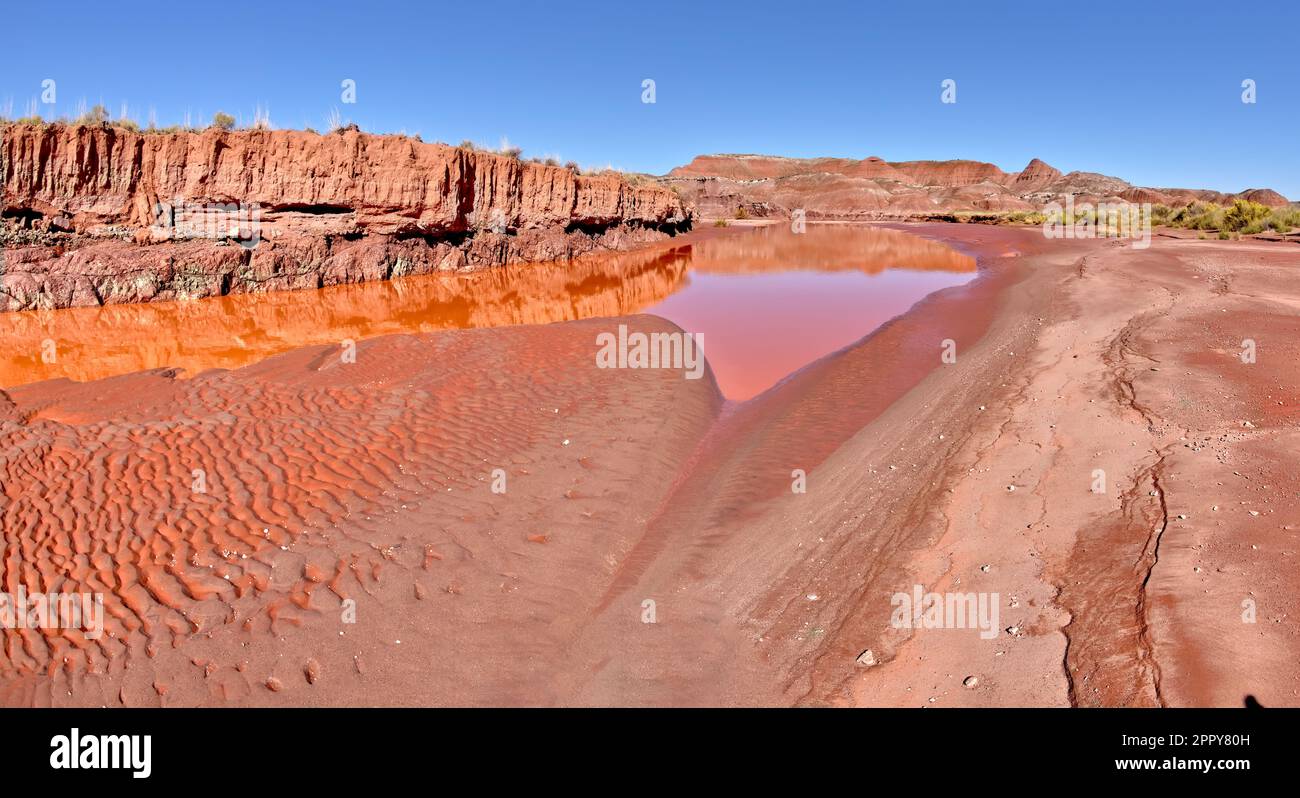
1242, 217
1246, 216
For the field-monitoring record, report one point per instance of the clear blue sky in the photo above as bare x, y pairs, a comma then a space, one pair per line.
1144, 91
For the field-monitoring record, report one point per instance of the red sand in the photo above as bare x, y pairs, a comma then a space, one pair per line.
372, 482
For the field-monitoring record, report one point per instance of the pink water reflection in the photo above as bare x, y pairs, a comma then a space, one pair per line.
771, 301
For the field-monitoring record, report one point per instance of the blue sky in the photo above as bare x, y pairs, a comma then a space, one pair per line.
1149, 94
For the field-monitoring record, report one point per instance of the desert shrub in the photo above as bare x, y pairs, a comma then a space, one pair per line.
1025, 217
467, 145
552, 162
1211, 221
1198, 216
1224, 235
1246, 216
128, 124
741, 213
95, 116
1286, 218
512, 152
572, 166
223, 120
720, 223
1161, 214
1242, 217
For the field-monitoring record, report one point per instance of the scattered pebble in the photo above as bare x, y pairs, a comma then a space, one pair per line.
971, 682
866, 659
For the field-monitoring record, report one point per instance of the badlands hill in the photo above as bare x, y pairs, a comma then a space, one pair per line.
724, 186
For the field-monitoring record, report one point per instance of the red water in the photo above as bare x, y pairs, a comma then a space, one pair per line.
767, 301
773, 301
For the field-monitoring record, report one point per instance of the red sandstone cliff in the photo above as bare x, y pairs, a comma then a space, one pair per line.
342, 207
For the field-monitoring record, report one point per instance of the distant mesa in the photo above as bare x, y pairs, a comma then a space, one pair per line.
873, 188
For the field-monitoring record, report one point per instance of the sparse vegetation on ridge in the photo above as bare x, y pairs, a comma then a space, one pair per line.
1243, 217
98, 116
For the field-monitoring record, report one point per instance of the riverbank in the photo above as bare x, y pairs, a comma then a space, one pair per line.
485, 517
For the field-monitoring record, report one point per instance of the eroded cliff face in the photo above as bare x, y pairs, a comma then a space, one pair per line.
114, 215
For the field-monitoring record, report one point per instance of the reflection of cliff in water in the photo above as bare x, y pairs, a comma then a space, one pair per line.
826, 248
227, 332
231, 331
